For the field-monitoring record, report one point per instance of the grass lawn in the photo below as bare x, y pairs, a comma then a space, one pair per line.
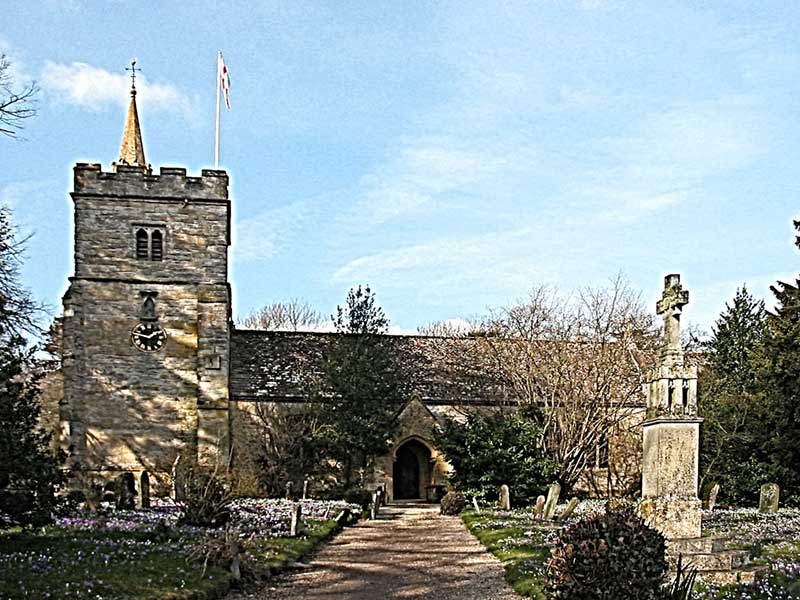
138, 555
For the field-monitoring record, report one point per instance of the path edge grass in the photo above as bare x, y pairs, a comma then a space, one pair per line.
513, 560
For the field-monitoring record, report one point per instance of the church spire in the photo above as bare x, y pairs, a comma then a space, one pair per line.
131, 151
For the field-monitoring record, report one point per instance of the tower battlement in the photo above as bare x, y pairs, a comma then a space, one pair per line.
134, 181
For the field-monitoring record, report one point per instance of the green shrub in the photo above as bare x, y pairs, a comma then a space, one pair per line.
607, 557
358, 496
207, 499
487, 451
453, 503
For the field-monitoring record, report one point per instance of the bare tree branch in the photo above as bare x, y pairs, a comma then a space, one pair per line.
294, 315
581, 359
16, 104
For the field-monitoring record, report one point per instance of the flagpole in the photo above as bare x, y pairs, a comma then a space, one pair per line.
216, 129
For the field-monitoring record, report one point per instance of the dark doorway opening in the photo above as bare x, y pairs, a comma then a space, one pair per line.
411, 471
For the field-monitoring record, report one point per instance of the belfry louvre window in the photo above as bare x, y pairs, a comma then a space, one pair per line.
156, 245
149, 242
141, 244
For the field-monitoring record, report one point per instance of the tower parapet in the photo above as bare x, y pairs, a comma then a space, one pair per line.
171, 183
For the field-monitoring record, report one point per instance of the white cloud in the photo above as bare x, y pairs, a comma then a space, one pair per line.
473, 252
268, 233
94, 88
666, 157
420, 171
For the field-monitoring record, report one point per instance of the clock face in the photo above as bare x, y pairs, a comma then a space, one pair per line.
148, 337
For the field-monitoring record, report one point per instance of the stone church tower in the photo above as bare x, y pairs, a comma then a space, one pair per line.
146, 323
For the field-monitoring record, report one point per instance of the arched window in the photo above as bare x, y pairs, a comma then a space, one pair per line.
142, 244
156, 245
149, 308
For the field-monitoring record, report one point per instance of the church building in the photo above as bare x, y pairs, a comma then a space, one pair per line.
154, 370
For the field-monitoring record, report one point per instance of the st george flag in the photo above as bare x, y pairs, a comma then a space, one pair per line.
225, 81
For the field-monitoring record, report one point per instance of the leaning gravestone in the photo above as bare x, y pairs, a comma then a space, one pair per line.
505, 497
573, 504
770, 495
712, 496
475, 504
144, 490
537, 513
552, 501
294, 523
179, 479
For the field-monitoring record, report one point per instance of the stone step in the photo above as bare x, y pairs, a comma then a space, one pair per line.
727, 560
704, 545
750, 574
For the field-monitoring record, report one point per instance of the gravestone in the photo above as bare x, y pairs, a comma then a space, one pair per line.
552, 501
305, 489
770, 495
144, 490
179, 479
289, 486
373, 509
125, 491
539, 510
712, 496
573, 504
505, 497
232, 536
294, 523
342, 517
475, 504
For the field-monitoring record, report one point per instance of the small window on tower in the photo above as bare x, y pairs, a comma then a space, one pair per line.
156, 245
142, 245
149, 242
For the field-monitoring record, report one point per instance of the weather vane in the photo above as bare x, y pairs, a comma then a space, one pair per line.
133, 70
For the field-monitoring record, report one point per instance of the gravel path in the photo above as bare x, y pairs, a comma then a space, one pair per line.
410, 551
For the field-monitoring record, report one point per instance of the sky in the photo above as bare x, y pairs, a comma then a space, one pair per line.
451, 155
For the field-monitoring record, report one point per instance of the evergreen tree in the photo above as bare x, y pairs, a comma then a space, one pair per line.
361, 374
728, 451
29, 473
779, 382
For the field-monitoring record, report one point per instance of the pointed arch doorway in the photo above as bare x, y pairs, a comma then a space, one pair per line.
411, 471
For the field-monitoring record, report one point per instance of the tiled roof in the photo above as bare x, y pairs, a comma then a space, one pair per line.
284, 366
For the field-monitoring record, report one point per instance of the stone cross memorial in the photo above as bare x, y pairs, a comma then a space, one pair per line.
671, 432
770, 496
505, 497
